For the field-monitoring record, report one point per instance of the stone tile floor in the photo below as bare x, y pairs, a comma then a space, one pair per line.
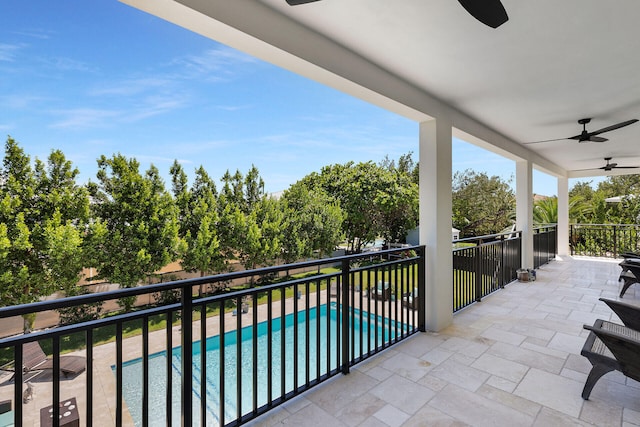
511, 360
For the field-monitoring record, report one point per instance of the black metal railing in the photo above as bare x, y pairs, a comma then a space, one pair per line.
604, 240
545, 244
482, 265
241, 352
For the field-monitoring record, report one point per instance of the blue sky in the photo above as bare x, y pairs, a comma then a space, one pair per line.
99, 77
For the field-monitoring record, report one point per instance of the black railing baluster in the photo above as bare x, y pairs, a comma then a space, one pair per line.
186, 383
283, 342
318, 331
375, 307
89, 391
307, 337
169, 369
270, 348
145, 371
344, 312
222, 366
360, 276
119, 373
254, 337
422, 289
328, 323
56, 379
239, 357
295, 339
203, 364
17, 379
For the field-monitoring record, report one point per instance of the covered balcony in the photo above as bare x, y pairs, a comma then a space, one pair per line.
512, 358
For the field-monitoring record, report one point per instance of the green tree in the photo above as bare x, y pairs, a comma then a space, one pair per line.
355, 187
398, 201
312, 223
481, 204
203, 251
181, 195
260, 242
42, 217
135, 229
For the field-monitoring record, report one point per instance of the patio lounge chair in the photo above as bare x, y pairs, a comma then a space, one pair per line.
629, 258
35, 360
630, 274
382, 291
611, 346
410, 299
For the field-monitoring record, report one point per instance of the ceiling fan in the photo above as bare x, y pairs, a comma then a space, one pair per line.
489, 12
611, 166
585, 136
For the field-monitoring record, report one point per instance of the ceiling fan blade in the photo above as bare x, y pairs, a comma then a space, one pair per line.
613, 127
297, 2
626, 167
546, 140
588, 138
489, 12
596, 139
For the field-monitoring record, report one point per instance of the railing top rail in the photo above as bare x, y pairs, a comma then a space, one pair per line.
35, 307
516, 233
544, 226
604, 225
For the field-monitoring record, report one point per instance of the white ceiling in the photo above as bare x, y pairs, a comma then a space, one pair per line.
531, 79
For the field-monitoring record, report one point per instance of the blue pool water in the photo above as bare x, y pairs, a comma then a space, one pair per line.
132, 370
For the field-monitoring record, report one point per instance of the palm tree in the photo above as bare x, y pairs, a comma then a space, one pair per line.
545, 211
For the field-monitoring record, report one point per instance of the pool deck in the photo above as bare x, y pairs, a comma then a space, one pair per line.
513, 359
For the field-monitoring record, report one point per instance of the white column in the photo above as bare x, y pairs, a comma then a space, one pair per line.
563, 216
524, 209
435, 220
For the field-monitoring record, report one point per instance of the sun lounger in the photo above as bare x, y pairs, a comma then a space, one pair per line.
35, 360
611, 346
630, 274
382, 291
628, 313
410, 299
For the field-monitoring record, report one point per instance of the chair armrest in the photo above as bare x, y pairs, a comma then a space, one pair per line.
628, 313
630, 255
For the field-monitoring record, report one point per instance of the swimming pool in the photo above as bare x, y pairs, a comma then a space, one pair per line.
326, 319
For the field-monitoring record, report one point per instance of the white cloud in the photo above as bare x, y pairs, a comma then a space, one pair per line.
213, 64
35, 33
83, 118
67, 64
131, 87
8, 51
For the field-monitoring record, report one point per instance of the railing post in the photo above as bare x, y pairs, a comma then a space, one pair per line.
478, 272
615, 241
571, 238
502, 262
186, 381
345, 315
422, 289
